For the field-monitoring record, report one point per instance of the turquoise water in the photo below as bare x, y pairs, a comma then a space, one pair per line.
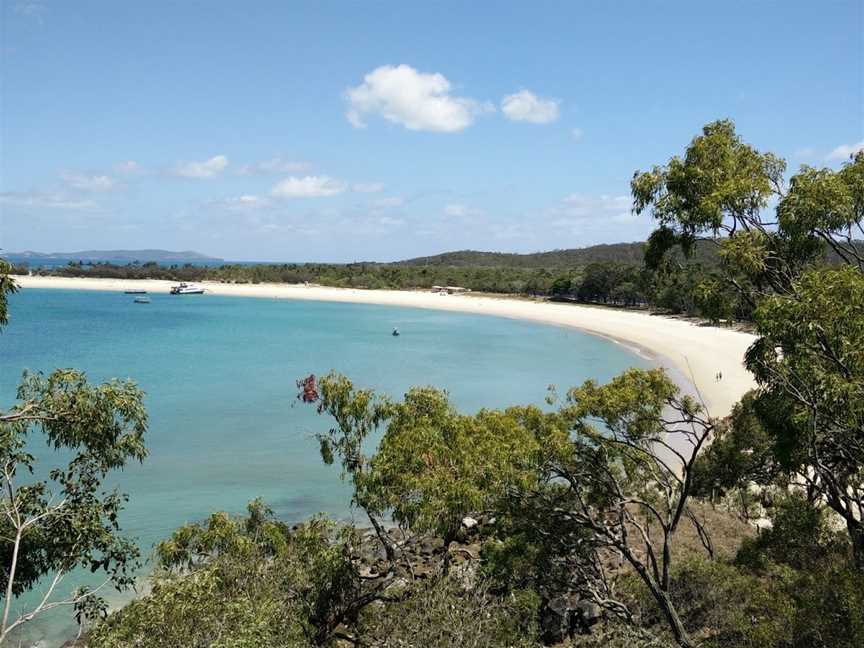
219, 373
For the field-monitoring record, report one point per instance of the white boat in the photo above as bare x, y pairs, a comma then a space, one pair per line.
186, 289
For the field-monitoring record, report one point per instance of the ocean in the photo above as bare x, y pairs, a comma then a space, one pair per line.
219, 374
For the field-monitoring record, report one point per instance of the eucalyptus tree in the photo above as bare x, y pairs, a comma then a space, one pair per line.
606, 477
808, 359
54, 520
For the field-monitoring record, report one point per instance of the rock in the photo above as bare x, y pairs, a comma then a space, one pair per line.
555, 620
396, 587
588, 613
368, 572
469, 522
429, 546
466, 575
564, 615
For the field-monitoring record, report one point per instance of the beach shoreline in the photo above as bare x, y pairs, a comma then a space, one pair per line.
698, 353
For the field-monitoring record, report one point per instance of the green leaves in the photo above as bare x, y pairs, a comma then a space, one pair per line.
242, 581
67, 521
720, 184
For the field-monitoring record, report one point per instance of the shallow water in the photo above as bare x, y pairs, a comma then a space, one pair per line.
219, 373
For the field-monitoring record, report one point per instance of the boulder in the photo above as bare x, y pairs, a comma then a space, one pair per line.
587, 614
563, 616
555, 619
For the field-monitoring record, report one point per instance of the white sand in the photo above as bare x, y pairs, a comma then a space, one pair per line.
697, 352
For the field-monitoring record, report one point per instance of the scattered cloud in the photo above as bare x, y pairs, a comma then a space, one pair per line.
205, 169
528, 107
32, 9
577, 134
585, 204
246, 202
84, 182
389, 221
844, 151
580, 212
415, 100
128, 167
390, 201
459, 210
277, 164
47, 200
308, 187
368, 187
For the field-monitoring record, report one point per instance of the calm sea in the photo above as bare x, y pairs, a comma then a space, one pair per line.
219, 373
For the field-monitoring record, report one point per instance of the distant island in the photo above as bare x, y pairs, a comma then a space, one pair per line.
114, 256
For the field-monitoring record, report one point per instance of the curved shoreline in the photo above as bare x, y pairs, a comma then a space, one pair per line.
698, 353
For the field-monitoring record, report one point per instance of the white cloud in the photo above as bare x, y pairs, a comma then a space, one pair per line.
46, 200
246, 202
416, 100
580, 203
577, 134
205, 169
368, 187
128, 167
277, 164
526, 106
578, 212
31, 9
390, 222
308, 187
83, 182
843, 151
459, 210
390, 201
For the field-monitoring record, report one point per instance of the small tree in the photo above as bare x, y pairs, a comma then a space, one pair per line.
433, 466
808, 359
618, 491
51, 526
580, 493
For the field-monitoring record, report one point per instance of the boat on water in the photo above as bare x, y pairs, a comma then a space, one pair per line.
142, 300
396, 332
135, 292
187, 289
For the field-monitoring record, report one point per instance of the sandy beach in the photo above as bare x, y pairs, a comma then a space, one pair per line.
698, 353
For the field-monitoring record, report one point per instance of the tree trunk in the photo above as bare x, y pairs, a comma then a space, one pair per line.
856, 534
671, 614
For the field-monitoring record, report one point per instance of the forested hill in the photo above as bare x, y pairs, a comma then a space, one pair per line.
627, 253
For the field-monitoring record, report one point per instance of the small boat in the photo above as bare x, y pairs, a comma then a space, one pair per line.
135, 292
142, 300
186, 289
396, 332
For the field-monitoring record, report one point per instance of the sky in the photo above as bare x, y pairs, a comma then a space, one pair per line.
342, 131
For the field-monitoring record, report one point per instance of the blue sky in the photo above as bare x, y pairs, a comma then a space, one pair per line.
343, 131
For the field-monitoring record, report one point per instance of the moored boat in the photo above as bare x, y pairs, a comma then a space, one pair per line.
187, 289
135, 292
142, 300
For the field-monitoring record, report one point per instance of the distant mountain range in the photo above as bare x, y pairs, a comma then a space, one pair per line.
114, 256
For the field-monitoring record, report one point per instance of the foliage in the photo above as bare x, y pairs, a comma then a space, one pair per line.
236, 582
51, 526
569, 494
443, 614
433, 466
7, 287
808, 359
